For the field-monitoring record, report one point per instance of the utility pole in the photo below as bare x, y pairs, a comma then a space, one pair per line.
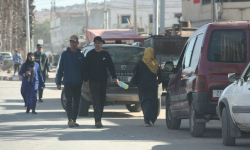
28, 25
212, 11
105, 16
155, 18
86, 14
135, 17
162, 21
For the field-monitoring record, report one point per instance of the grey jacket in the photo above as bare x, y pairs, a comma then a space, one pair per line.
44, 63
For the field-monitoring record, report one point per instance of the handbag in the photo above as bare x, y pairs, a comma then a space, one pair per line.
134, 79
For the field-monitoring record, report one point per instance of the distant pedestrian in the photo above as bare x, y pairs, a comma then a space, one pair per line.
71, 69
96, 64
18, 60
43, 61
32, 77
148, 69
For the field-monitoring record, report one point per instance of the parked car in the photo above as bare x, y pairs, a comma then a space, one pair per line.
234, 107
124, 58
7, 61
200, 76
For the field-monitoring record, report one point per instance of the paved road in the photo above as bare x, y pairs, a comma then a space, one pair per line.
122, 130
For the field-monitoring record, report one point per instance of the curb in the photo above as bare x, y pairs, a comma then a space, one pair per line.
17, 78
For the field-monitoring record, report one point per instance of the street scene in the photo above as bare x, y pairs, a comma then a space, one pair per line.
140, 74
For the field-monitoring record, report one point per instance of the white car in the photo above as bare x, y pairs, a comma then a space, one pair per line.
233, 107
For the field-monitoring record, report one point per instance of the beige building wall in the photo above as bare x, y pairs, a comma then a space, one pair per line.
227, 11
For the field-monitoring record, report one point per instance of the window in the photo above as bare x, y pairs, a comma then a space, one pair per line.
197, 50
125, 54
227, 46
125, 19
204, 2
150, 18
189, 52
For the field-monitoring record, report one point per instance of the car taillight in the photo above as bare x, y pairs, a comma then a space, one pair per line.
201, 84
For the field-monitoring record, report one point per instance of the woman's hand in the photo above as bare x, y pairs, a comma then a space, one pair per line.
27, 73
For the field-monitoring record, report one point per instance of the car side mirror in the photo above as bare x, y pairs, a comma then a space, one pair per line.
232, 77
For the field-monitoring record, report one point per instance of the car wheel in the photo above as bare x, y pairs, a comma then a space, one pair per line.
63, 100
84, 107
133, 107
172, 123
228, 140
159, 106
197, 129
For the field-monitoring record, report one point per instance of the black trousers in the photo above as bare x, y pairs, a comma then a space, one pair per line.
98, 91
16, 68
72, 94
40, 90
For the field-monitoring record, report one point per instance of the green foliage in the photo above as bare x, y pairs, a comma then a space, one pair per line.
42, 31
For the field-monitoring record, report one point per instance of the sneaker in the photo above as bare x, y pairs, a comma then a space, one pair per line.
147, 125
98, 124
40, 100
71, 123
76, 125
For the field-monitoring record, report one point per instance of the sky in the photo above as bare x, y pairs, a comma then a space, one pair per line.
46, 4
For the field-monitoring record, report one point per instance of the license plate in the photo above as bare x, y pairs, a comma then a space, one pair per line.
123, 78
217, 93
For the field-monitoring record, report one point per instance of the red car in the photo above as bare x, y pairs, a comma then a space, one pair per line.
200, 76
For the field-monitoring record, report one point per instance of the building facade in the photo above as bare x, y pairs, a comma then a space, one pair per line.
199, 12
122, 16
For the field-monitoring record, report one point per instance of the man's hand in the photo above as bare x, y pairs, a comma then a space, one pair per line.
47, 74
59, 87
86, 85
116, 80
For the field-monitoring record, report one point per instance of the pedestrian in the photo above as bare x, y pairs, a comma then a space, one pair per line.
43, 61
71, 69
32, 77
148, 70
18, 60
96, 65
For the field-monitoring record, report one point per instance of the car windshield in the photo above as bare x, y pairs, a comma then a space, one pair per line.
6, 56
125, 54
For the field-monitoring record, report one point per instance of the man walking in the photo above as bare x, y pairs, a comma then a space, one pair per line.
96, 65
18, 60
43, 61
71, 69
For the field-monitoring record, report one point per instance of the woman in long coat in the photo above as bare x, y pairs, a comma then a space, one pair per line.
148, 69
32, 76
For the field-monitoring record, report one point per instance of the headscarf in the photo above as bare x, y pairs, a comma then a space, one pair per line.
28, 62
150, 60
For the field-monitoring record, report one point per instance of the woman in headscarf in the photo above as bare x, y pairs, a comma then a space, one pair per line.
32, 76
149, 78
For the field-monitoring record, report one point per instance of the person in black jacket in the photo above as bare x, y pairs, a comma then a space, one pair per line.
71, 69
43, 61
96, 64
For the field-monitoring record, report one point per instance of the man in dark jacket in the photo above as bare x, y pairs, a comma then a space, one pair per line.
71, 69
95, 76
43, 61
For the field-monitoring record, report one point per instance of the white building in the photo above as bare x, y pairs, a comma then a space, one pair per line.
199, 12
120, 12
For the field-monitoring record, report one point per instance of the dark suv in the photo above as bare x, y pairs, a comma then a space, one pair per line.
124, 58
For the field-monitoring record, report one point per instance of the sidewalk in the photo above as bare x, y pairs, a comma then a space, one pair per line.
9, 76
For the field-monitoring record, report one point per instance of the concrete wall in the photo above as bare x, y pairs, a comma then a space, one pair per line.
226, 11
144, 10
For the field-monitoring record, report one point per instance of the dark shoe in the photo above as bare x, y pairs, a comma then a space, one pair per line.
98, 124
34, 112
40, 100
71, 123
76, 125
28, 110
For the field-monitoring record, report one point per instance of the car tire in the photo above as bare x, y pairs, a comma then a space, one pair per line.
63, 99
171, 122
197, 129
83, 107
228, 140
133, 107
